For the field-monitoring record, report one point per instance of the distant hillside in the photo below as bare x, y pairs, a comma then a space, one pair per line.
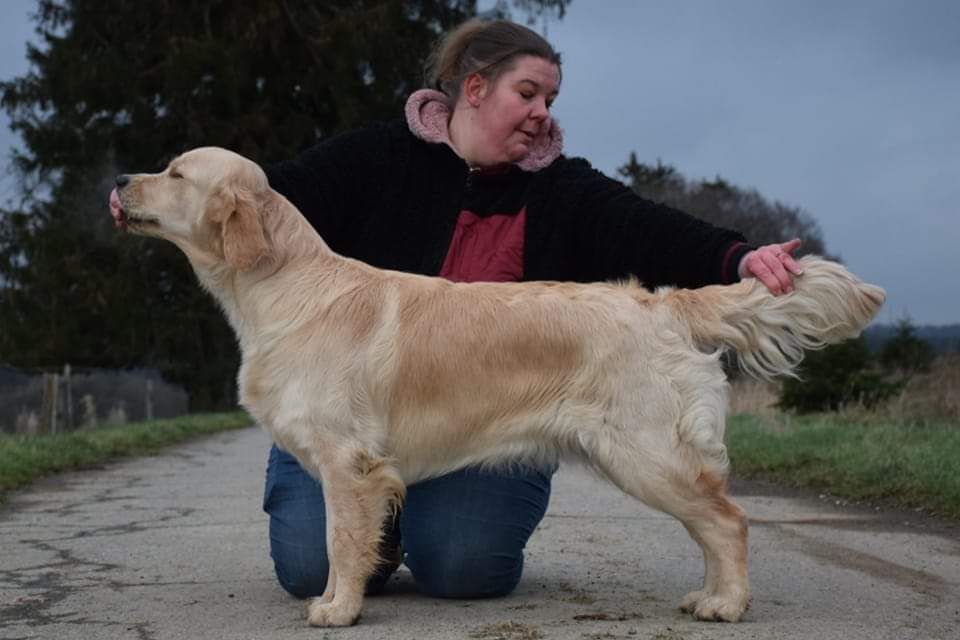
943, 338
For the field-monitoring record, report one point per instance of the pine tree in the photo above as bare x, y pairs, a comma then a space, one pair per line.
118, 86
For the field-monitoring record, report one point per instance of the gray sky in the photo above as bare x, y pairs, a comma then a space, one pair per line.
15, 30
848, 109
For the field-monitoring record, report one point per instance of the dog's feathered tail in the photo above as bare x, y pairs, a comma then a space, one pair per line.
770, 333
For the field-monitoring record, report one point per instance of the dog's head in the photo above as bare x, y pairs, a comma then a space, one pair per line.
207, 201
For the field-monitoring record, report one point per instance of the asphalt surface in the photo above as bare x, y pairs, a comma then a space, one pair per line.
175, 547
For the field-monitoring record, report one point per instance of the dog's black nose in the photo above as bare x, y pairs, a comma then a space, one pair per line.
122, 180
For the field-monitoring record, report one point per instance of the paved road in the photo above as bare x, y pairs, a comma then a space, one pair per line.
174, 547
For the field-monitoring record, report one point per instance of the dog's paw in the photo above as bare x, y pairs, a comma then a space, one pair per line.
689, 602
714, 608
327, 614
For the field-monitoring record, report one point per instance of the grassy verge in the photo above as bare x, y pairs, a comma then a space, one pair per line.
910, 466
25, 458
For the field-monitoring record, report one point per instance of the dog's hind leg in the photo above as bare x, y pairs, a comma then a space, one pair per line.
676, 485
360, 492
721, 532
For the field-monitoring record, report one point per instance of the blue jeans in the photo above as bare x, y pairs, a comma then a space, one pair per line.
462, 534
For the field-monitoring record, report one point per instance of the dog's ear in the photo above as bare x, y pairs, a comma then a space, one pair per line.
243, 239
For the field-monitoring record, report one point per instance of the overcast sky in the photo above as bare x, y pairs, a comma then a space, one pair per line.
847, 109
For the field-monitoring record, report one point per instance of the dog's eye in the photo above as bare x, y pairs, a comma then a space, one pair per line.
176, 175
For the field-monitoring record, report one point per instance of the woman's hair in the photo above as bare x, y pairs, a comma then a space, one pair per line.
487, 47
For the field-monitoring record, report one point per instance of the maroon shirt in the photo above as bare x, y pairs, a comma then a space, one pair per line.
486, 249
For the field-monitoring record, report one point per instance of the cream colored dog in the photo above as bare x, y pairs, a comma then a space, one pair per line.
376, 379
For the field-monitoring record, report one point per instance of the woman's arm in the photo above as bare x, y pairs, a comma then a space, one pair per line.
622, 234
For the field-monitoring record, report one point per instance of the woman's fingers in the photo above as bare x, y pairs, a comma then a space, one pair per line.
774, 266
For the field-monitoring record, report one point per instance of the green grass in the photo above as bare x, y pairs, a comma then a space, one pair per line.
872, 460
26, 458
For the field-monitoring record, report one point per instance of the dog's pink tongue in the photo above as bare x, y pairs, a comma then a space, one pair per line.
116, 210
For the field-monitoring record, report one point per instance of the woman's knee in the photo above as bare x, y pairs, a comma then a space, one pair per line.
299, 551
452, 573
300, 577
464, 533
298, 543
298, 546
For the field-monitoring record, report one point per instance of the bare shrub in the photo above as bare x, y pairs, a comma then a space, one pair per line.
27, 422
933, 395
88, 411
117, 415
753, 396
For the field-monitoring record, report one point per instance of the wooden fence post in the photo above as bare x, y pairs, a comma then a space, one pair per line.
48, 409
149, 400
68, 398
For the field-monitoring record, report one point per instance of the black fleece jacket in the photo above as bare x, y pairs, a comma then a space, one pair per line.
390, 199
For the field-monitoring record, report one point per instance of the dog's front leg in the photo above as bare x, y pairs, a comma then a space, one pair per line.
331, 588
359, 494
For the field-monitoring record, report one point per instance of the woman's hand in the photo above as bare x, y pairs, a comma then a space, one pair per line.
773, 265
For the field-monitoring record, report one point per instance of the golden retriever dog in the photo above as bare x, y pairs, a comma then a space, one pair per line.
376, 379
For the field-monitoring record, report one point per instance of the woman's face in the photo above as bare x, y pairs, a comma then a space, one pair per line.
512, 111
